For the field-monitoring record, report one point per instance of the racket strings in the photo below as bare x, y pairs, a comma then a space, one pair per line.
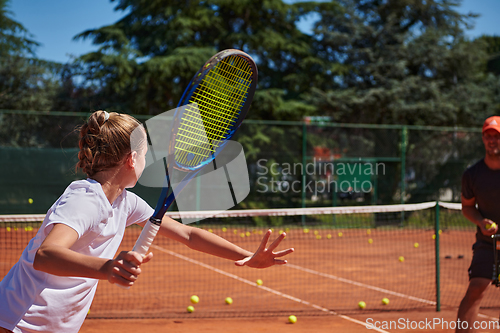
213, 110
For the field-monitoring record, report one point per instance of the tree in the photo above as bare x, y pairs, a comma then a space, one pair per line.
147, 58
408, 61
26, 83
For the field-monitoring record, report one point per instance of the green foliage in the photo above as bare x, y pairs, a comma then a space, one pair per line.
408, 64
147, 58
25, 82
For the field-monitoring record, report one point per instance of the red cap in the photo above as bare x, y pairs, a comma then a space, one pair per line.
493, 123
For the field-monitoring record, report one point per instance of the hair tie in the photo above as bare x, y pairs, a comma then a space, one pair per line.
106, 116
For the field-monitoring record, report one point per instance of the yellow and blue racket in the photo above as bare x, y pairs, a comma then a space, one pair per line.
209, 113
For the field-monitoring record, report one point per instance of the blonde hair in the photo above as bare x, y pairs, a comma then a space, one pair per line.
105, 141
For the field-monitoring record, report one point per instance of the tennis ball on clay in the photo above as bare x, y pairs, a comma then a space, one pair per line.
385, 301
434, 236
318, 236
30, 201
368, 231
401, 258
370, 241
229, 300
362, 305
490, 226
292, 319
416, 245
306, 231
341, 234
190, 309
8, 229
224, 229
248, 234
259, 282
195, 299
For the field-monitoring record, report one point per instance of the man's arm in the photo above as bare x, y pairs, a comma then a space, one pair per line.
469, 210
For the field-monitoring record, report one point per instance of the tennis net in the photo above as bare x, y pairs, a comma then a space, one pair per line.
343, 255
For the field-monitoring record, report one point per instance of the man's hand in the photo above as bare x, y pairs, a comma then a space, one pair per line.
488, 227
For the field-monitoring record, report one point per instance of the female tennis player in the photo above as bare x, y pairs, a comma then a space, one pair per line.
51, 287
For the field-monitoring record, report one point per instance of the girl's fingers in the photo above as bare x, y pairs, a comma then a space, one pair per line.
263, 243
284, 252
277, 241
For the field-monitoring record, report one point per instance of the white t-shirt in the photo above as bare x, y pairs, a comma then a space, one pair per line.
35, 301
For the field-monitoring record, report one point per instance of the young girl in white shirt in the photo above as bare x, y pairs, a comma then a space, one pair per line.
51, 287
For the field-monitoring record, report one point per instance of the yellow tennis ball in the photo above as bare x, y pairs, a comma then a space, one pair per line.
229, 300
434, 236
242, 235
416, 245
370, 241
195, 299
318, 236
259, 282
368, 231
316, 232
8, 228
385, 301
248, 234
489, 226
224, 229
190, 309
30, 201
341, 234
210, 230
362, 305
401, 258
292, 319
306, 231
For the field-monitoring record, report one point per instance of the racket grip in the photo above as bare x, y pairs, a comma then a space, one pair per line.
146, 238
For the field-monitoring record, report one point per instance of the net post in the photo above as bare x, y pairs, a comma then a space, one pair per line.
304, 161
404, 139
436, 247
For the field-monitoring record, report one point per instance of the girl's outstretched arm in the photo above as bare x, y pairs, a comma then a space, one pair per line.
204, 241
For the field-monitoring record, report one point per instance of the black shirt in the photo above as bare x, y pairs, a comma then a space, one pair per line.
482, 183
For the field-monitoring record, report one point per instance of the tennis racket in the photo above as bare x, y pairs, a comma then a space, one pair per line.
209, 113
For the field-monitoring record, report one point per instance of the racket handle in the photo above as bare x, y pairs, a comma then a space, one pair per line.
146, 238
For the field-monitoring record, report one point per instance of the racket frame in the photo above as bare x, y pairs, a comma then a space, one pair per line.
167, 196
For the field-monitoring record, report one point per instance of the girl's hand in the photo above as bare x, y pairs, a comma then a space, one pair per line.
124, 270
263, 257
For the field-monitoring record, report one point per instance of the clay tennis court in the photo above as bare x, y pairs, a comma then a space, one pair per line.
325, 279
